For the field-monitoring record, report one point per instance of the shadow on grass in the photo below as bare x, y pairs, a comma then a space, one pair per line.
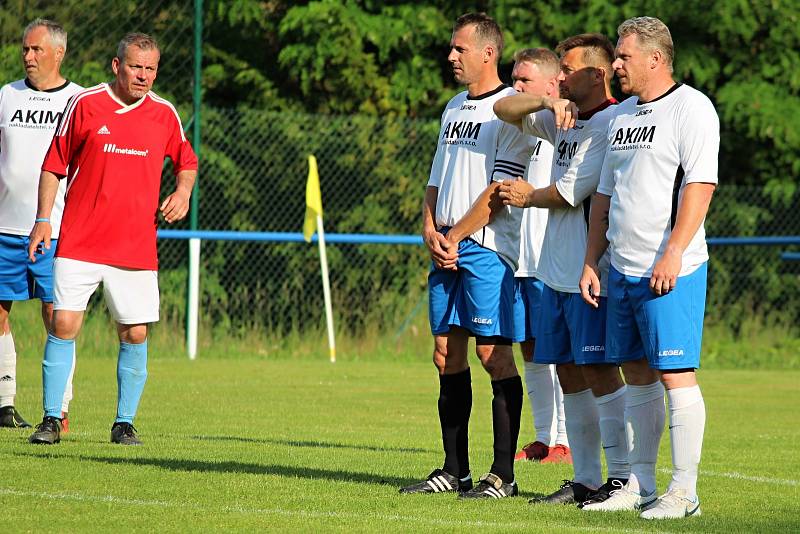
313, 444
200, 466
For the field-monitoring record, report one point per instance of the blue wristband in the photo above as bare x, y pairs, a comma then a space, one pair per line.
43, 219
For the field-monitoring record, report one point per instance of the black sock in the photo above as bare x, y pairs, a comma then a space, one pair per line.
506, 413
455, 405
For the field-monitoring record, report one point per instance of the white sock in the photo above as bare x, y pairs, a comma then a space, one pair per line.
584, 437
644, 417
687, 421
8, 370
611, 410
68, 390
539, 383
561, 420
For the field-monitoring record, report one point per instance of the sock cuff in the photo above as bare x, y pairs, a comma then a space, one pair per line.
611, 397
638, 395
537, 367
682, 397
584, 395
58, 341
6, 343
462, 378
506, 382
133, 345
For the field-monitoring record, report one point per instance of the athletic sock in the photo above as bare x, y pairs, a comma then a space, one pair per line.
541, 395
68, 390
8, 370
687, 421
644, 415
506, 413
583, 429
611, 412
561, 420
455, 406
131, 376
56, 368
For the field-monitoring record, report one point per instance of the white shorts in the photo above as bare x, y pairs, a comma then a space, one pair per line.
131, 294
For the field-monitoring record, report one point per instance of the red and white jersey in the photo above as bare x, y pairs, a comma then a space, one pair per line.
28, 118
112, 155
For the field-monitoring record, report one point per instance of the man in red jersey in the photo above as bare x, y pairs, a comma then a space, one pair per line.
110, 146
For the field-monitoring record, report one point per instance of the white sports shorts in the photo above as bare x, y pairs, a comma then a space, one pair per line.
131, 294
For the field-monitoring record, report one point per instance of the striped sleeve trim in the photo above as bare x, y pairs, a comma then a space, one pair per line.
167, 103
72, 104
510, 168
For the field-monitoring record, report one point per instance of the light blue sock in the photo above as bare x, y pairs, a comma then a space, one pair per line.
56, 367
131, 376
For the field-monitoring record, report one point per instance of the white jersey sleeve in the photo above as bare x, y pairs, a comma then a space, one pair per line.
513, 153
581, 179
541, 124
698, 142
435, 177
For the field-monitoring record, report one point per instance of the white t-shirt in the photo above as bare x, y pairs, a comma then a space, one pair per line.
577, 162
474, 149
655, 149
534, 220
28, 118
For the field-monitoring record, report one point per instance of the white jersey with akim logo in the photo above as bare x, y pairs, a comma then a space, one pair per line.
655, 149
474, 149
577, 163
28, 118
534, 220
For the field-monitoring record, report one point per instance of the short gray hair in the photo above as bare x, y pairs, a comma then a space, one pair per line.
58, 35
652, 34
546, 60
140, 40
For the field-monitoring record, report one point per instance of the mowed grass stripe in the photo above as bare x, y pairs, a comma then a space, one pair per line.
251, 444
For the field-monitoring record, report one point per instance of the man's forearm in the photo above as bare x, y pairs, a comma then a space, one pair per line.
598, 227
429, 209
48, 189
691, 212
184, 181
483, 210
514, 108
548, 198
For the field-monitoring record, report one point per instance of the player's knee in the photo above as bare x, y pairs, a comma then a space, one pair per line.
571, 378
134, 335
639, 372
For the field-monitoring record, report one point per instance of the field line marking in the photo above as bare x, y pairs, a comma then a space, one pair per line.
741, 476
300, 513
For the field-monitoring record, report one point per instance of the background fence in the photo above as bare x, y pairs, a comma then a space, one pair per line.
373, 172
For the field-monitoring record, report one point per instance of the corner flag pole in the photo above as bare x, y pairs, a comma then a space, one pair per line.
326, 288
313, 221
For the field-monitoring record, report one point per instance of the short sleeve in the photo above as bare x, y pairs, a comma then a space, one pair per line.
66, 138
541, 124
698, 145
583, 174
179, 149
513, 152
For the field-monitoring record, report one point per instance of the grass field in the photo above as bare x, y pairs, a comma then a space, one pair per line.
299, 445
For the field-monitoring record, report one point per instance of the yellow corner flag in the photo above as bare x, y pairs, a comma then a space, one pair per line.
313, 199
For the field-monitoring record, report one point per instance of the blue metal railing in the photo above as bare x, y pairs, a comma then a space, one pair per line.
296, 237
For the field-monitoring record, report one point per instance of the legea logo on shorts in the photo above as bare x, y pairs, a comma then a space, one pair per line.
114, 149
481, 320
594, 348
671, 352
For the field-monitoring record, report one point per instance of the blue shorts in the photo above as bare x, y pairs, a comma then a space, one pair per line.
667, 330
479, 296
527, 307
20, 278
569, 330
